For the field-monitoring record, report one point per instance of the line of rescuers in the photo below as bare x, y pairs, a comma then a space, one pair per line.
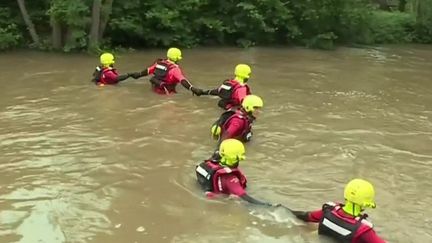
220, 174
344, 222
166, 74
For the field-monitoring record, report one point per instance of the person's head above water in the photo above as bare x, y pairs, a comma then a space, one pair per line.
174, 54
107, 59
251, 103
242, 73
359, 194
232, 151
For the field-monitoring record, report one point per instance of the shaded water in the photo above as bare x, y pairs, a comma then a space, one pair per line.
81, 163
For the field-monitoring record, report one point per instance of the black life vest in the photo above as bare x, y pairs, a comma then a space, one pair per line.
97, 74
227, 88
162, 69
209, 172
336, 227
205, 173
226, 91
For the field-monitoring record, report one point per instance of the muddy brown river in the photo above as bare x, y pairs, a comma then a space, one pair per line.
81, 163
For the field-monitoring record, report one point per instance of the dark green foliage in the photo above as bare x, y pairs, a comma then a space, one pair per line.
423, 33
155, 23
74, 16
392, 27
9, 32
422, 10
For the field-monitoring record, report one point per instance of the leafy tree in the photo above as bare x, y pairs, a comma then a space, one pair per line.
73, 25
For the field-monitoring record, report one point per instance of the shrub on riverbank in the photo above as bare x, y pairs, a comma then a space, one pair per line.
9, 33
392, 27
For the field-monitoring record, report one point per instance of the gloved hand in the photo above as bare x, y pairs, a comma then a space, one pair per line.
216, 131
135, 75
197, 91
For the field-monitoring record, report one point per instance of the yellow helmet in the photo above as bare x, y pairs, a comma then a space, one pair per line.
242, 71
360, 192
174, 54
231, 151
250, 102
107, 59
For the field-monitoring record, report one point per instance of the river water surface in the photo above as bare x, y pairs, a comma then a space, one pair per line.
81, 163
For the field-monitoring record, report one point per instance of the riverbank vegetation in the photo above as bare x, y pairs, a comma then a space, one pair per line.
75, 25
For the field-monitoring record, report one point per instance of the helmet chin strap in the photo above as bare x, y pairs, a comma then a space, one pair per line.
240, 79
223, 161
352, 208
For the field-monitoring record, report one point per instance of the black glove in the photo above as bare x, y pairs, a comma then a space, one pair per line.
123, 77
197, 91
135, 75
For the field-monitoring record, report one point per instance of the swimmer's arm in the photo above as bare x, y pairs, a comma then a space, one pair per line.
252, 200
123, 77
314, 216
